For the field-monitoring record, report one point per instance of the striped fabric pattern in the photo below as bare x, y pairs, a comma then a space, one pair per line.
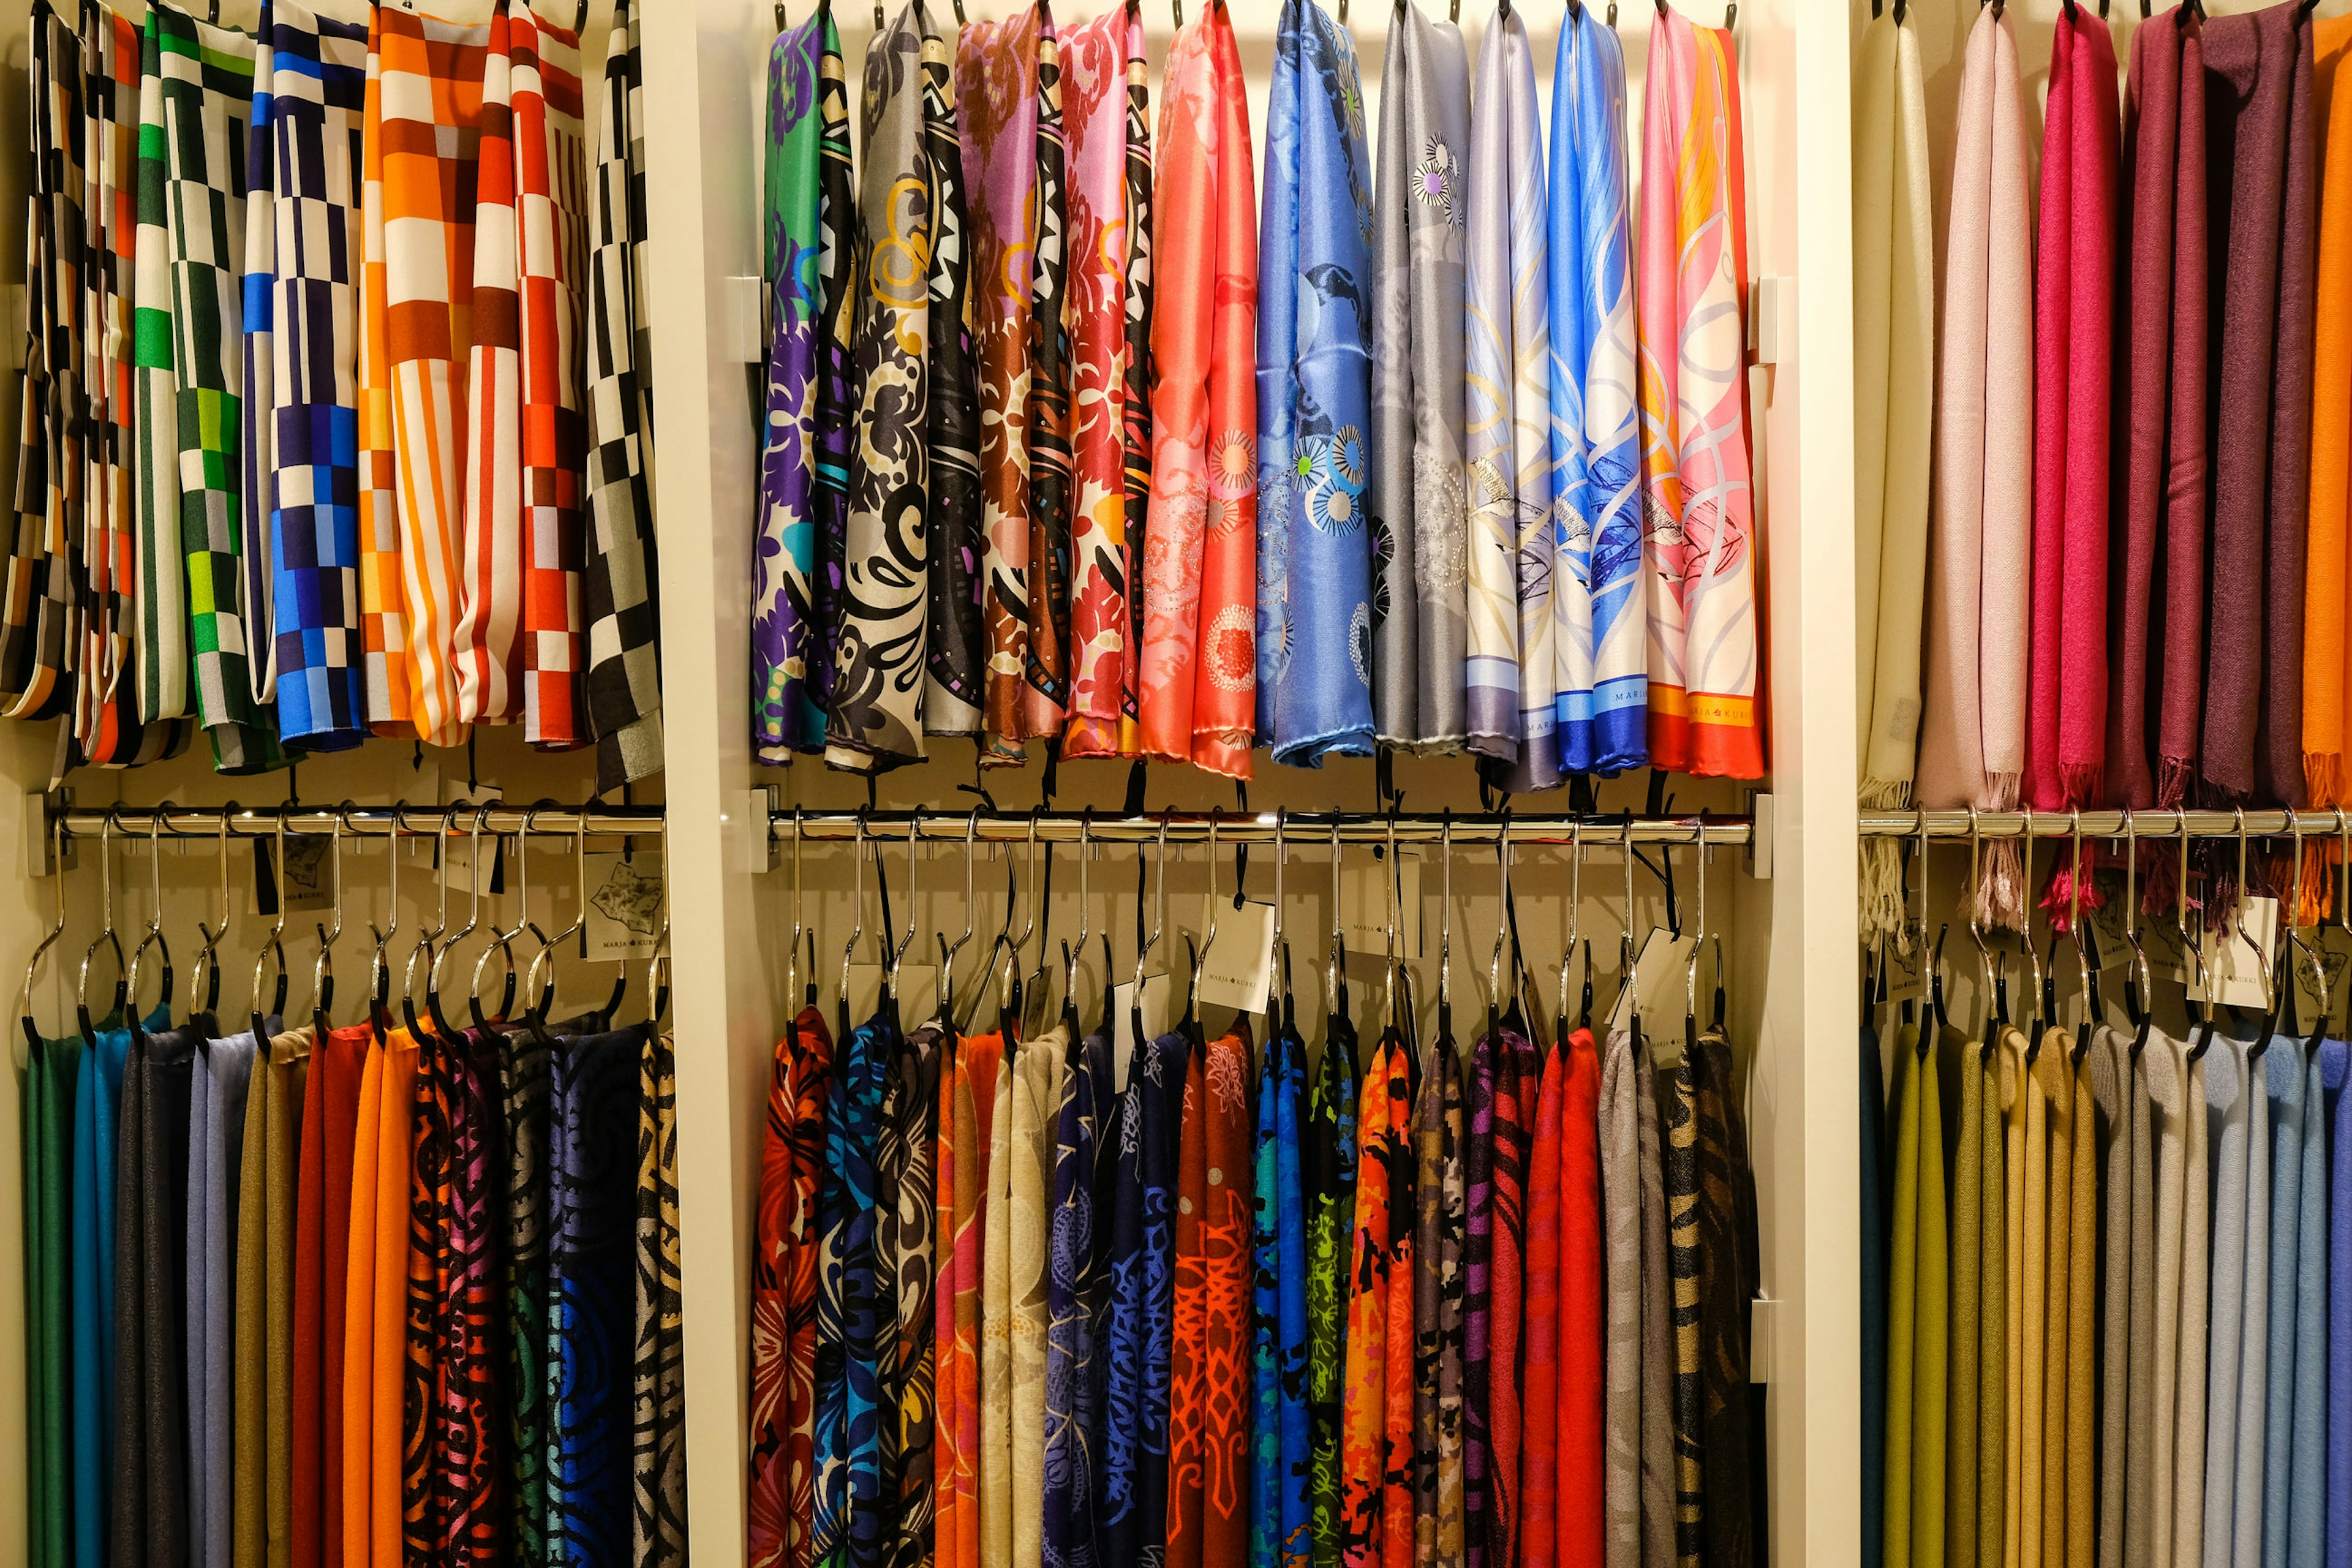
624, 689
318, 86
257, 364
384, 609
207, 77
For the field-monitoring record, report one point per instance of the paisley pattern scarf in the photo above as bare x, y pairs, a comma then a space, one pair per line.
996, 99
1045, 667
1419, 634
1280, 1438
956, 648
467, 1502
1439, 1233
1508, 401
1208, 1413
977, 1061
1314, 392
1328, 1178
1074, 1252
657, 1445
784, 1268
838, 291
1130, 1486
1104, 246
878, 683
1706, 675
904, 1254
852, 1524
783, 548
1199, 663
1363, 1457
1600, 645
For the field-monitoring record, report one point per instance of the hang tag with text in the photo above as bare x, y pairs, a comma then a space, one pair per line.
624, 905
2234, 975
1240, 968
1364, 898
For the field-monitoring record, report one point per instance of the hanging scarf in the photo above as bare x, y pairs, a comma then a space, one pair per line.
2326, 652
784, 1270
1894, 367
384, 611
836, 391
785, 551
1401, 1355
1036, 1088
1505, 1083
1972, 737
263, 1294
977, 1062
1363, 1443
851, 1527
1130, 1486
224, 1078
1706, 675
375, 1300
258, 447
520, 1201
1507, 396
46, 1129
1279, 1438
996, 97
2335, 1057
1137, 442
1045, 667
1581, 1422
1659, 1353
1314, 388
1419, 638
321, 1243
93, 1297
956, 650
878, 684
2259, 66
1478, 1092
2163, 190
905, 1250
1208, 1432
657, 1441
1100, 108
1437, 1304
1538, 1521
995, 1425
1328, 1179
424, 1388
1075, 1253
1199, 677
1599, 651
1728, 1281
1918, 1309
147, 1489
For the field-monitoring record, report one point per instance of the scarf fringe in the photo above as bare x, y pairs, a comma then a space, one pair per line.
2000, 886
2082, 781
2066, 902
2322, 778
2315, 898
2176, 777
1883, 904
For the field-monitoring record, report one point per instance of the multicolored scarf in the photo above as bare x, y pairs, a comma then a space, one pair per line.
1420, 635
1496, 1378
784, 1271
1705, 671
1279, 1437
1314, 397
1327, 1178
784, 550
1103, 108
904, 1252
1208, 1414
1439, 1233
258, 449
1045, 667
1034, 1100
956, 660
658, 1439
1382, 1154
838, 287
878, 687
1508, 402
522, 1200
1132, 1480
852, 1525
1598, 646
984, 1520
1199, 676
624, 685
1076, 1252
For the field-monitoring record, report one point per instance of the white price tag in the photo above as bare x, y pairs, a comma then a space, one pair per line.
624, 905
1240, 968
1156, 1016
2234, 975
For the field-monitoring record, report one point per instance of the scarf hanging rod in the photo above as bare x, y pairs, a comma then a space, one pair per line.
2152, 823
360, 821
1303, 830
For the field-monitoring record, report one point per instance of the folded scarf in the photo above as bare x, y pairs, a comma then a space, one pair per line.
1131, 1480
1103, 245
1420, 598
1599, 643
1328, 1178
1199, 676
2329, 544
1507, 404
1076, 1252
784, 550
1706, 670
2258, 77
906, 1246
1894, 367
996, 97
2159, 342
1972, 736
1208, 1432
877, 685
1044, 669
1315, 559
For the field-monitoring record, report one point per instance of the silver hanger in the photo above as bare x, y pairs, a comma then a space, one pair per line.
1575, 898
323, 968
153, 937
947, 950
106, 935
273, 948
1201, 962
32, 965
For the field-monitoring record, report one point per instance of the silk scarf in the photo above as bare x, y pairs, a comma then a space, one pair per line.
783, 551
1972, 737
2327, 653
996, 99
92, 1300
904, 1247
956, 657
1036, 1085
1279, 1437
623, 689
784, 1270
1619, 1155
1705, 669
851, 1525
2259, 66
1894, 368
1140, 370
148, 1487
1208, 1419
1102, 107
1437, 1304
878, 683
224, 1077
376, 1287
1919, 1301
1132, 1480
1419, 638
1501, 1092
1327, 1178
429, 1269
1507, 406
466, 1504
383, 610
995, 1384
262, 1512
658, 1439
1598, 647
1728, 1278
1075, 1252
1314, 407
321, 1243
1579, 1418
1045, 667
977, 1063
48, 1127
1199, 676
520, 1191
1384, 1114
836, 386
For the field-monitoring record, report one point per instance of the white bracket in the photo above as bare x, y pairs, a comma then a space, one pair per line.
1760, 1339
751, 845
1759, 837
742, 305
1770, 309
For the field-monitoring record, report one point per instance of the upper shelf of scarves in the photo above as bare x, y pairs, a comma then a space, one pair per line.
2333, 822
1304, 828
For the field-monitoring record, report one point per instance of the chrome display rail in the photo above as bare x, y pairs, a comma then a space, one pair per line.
2153, 824
140, 821
1301, 828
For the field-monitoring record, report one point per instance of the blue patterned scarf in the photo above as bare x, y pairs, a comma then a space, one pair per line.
1131, 1462
1072, 1416
1279, 1445
855, 1332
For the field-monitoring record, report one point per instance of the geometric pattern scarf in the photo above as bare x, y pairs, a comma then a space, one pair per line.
657, 1448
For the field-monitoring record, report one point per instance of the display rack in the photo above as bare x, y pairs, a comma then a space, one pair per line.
2335, 822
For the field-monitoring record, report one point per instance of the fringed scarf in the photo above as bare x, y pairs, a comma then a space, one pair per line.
1599, 645
1420, 605
1314, 390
